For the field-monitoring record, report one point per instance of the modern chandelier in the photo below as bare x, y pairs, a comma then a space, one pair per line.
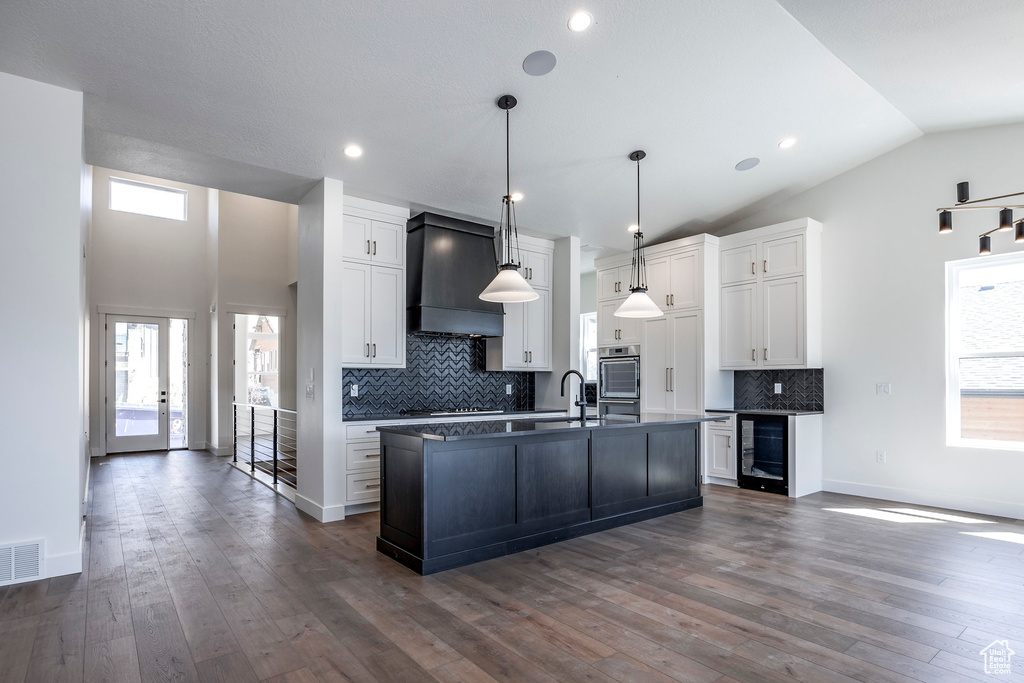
964, 202
638, 304
508, 286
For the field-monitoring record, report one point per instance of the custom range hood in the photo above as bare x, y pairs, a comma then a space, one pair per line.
449, 262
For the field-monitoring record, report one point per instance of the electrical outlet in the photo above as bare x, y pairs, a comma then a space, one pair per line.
884, 389
353, 390
508, 389
880, 457
778, 387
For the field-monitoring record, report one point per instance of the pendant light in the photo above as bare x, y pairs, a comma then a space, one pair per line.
638, 304
1006, 221
508, 286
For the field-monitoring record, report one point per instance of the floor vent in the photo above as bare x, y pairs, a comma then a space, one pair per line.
21, 562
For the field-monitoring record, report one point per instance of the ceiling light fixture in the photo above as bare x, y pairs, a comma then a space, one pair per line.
353, 151
787, 143
580, 21
517, 196
638, 304
964, 202
508, 286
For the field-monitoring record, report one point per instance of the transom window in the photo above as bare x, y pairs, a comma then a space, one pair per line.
985, 345
149, 200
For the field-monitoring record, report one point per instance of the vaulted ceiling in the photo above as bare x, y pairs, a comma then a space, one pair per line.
260, 98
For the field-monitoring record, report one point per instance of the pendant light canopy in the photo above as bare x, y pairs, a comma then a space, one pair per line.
508, 286
638, 304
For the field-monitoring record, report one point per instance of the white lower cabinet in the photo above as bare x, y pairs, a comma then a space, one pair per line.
363, 487
671, 367
720, 452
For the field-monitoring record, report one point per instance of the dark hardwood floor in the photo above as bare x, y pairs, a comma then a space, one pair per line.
195, 572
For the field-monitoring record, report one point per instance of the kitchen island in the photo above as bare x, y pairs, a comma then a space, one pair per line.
457, 493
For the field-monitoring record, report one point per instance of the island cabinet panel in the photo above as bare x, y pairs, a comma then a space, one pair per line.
671, 475
471, 497
553, 484
402, 493
619, 474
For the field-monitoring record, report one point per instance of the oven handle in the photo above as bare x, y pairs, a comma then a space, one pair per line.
622, 402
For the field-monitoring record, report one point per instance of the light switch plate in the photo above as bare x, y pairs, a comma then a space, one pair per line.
353, 390
778, 387
508, 389
880, 456
884, 389
311, 391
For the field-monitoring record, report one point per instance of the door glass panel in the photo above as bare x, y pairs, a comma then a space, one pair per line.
178, 382
137, 378
763, 451
619, 378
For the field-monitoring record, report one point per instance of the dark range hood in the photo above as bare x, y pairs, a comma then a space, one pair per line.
449, 262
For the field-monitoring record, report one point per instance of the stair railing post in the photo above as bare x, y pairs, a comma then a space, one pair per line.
275, 447
234, 429
252, 438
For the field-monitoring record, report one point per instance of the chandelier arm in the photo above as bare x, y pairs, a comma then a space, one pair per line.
961, 207
991, 199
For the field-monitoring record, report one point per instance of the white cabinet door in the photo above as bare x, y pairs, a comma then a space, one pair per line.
610, 284
355, 316
685, 359
387, 316
538, 332
782, 257
784, 322
739, 264
357, 239
654, 365
629, 330
607, 323
739, 324
513, 341
659, 282
721, 459
686, 289
537, 268
387, 243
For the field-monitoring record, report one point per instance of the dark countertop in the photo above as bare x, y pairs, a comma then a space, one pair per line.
767, 411
384, 417
454, 431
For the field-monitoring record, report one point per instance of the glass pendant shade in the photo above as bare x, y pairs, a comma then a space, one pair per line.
638, 305
509, 287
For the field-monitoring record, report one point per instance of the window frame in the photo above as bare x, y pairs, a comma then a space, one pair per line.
153, 186
954, 418
583, 339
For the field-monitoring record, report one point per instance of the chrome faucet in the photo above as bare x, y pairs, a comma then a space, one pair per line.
581, 400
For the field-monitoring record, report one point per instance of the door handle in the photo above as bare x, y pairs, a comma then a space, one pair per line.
766, 266
673, 299
753, 268
666, 380
367, 246
163, 400
728, 441
374, 350
375, 247
672, 374
666, 299
753, 354
531, 356
766, 354
367, 350
526, 357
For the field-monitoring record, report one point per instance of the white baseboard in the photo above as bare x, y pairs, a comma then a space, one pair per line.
939, 500
719, 481
95, 452
360, 508
228, 450
333, 513
59, 565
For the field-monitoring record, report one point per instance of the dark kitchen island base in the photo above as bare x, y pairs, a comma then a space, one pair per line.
455, 494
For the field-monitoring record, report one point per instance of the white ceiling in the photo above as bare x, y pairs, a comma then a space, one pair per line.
260, 98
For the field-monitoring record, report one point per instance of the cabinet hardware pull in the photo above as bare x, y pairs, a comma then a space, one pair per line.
666, 380
753, 268
752, 354
672, 374
375, 247
367, 246
367, 350
526, 357
766, 354
373, 486
374, 350
728, 442
673, 299
666, 299
765, 266
531, 356
373, 455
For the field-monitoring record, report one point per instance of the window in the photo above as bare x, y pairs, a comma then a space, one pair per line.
588, 346
257, 354
985, 348
149, 200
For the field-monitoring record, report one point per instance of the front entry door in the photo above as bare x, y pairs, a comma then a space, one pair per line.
136, 400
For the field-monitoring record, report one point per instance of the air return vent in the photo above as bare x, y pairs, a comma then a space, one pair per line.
21, 562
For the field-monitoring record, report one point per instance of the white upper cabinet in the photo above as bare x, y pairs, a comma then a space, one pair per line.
613, 283
614, 331
526, 342
372, 309
686, 290
659, 281
373, 241
771, 297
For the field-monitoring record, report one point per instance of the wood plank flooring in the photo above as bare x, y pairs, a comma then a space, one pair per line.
195, 572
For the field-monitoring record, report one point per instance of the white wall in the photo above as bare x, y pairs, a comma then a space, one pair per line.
884, 317
40, 280
565, 329
149, 265
588, 292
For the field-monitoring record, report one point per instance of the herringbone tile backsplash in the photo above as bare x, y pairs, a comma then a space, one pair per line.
441, 373
801, 390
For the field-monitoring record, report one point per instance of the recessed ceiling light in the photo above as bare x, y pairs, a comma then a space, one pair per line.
580, 21
747, 164
539, 63
633, 228
787, 143
517, 196
353, 151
